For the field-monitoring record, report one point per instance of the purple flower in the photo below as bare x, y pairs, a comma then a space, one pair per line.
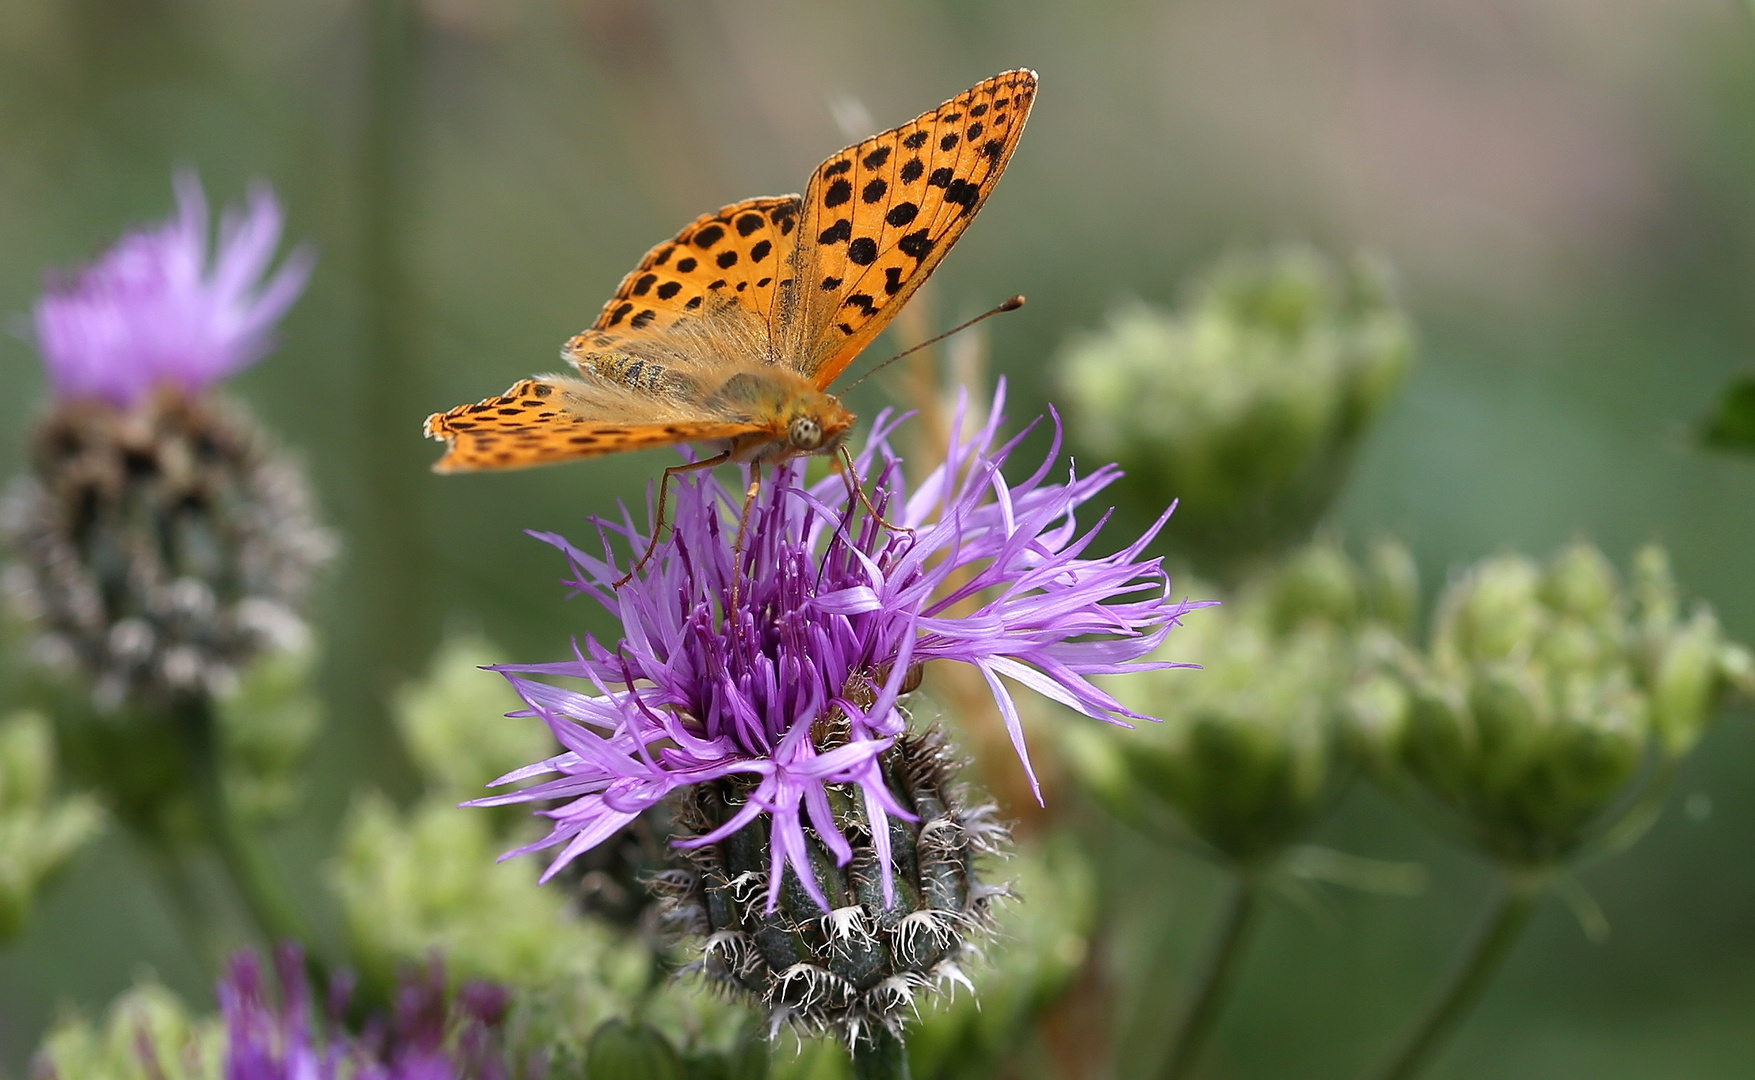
796, 686
274, 1036
153, 309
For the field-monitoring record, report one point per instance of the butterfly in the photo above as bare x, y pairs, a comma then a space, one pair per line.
732, 331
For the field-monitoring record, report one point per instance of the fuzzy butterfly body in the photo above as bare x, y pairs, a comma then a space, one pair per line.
732, 331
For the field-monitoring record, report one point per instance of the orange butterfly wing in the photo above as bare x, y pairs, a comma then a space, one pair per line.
524, 427
740, 254
825, 274
881, 215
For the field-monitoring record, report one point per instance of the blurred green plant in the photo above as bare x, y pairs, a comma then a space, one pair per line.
148, 1034
1253, 749
1729, 426
1544, 724
38, 831
1246, 403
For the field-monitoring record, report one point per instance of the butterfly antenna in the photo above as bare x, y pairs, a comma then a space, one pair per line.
1013, 304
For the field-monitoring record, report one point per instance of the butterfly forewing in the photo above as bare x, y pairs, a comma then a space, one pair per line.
738, 255
879, 216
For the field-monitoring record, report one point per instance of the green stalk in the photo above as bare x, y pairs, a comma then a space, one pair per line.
1484, 960
881, 1057
193, 919
272, 912
1242, 917
393, 554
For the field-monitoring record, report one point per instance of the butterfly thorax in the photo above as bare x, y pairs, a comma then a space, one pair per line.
793, 417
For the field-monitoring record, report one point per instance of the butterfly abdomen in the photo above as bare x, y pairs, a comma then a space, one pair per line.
637, 373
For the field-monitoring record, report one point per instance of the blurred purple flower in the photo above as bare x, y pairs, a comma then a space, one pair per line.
153, 310
825, 632
273, 1036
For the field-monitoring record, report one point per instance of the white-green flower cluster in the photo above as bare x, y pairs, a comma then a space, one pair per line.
1250, 748
1246, 402
1551, 698
38, 830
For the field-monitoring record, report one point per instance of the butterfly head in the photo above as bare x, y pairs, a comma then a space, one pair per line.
819, 425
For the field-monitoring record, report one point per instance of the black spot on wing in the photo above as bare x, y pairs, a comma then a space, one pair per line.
838, 167
912, 170
876, 159
669, 289
749, 223
916, 245
686, 266
760, 250
917, 140
709, 236
837, 233
874, 191
901, 214
726, 260
839, 192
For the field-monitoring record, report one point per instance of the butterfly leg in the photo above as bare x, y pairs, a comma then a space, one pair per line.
658, 521
743, 528
857, 489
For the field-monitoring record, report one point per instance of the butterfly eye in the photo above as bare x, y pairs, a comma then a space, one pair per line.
805, 433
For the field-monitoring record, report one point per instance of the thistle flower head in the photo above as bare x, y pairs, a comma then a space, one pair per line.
794, 688
163, 542
159, 307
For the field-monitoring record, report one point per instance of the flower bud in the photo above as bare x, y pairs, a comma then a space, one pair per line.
1247, 401
858, 967
38, 832
1392, 586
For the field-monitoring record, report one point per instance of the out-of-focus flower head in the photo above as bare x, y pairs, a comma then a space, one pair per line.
1252, 749
1555, 700
1246, 402
796, 688
161, 307
431, 1034
162, 542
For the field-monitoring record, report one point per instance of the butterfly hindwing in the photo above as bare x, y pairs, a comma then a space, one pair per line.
738, 254
879, 216
531, 424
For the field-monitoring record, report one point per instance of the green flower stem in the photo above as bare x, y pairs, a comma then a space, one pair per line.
1490, 950
184, 899
269, 908
882, 1057
1242, 917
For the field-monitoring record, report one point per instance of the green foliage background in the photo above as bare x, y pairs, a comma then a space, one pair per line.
1568, 191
